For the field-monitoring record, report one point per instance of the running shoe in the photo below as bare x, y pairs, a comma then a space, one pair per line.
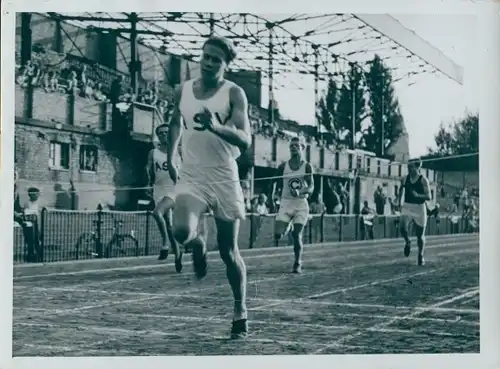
239, 329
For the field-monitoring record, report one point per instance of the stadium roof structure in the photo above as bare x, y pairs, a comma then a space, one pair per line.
283, 47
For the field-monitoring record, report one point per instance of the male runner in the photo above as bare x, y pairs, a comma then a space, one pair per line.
296, 183
158, 177
416, 190
216, 130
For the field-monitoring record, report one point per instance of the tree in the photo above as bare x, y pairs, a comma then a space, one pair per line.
326, 111
461, 137
443, 139
351, 103
387, 123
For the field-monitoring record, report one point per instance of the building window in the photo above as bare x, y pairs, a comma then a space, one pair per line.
379, 169
389, 170
359, 162
59, 155
368, 164
400, 170
337, 161
88, 158
396, 191
349, 159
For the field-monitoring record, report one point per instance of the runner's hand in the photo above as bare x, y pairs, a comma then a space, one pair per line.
211, 121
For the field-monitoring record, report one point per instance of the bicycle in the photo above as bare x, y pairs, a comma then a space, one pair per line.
88, 242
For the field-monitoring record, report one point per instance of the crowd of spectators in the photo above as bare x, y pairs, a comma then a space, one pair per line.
84, 81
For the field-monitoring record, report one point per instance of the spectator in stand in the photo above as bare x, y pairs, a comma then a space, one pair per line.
29, 74
465, 202
260, 207
116, 90
27, 218
166, 109
50, 81
140, 96
336, 202
87, 90
150, 96
99, 94
380, 200
343, 195
392, 206
82, 81
72, 83
317, 207
32, 207
367, 215
128, 97
456, 200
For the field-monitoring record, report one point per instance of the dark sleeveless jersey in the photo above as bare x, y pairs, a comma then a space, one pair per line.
418, 187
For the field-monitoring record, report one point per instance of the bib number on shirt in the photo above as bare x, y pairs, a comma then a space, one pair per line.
294, 184
203, 121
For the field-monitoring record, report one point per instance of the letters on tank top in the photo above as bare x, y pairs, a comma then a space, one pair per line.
160, 164
201, 147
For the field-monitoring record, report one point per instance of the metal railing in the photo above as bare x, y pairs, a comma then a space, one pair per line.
60, 235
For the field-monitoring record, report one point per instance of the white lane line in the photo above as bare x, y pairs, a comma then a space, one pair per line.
383, 325
285, 275
312, 303
150, 333
263, 254
219, 320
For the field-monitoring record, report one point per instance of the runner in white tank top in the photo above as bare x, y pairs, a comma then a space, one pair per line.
214, 132
163, 194
296, 182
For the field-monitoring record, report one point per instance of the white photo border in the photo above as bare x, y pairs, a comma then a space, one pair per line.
489, 35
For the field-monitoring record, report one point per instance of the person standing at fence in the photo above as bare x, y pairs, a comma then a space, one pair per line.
215, 132
159, 179
414, 193
295, 181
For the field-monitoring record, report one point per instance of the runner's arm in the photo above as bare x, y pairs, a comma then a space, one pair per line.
237, 133
277, 182
401, 192
309, 178
175, 127
150, 173
427, 190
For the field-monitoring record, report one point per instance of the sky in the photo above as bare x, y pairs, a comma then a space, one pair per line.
433, 99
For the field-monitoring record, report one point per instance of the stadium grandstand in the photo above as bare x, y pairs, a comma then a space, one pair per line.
90, 90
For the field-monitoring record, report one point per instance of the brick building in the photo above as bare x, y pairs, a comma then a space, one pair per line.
50, 151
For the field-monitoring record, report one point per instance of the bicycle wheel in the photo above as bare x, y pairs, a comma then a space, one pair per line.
122, 245
85, 247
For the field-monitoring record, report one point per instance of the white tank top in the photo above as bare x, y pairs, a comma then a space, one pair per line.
160, 164
202, 149
293, 180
